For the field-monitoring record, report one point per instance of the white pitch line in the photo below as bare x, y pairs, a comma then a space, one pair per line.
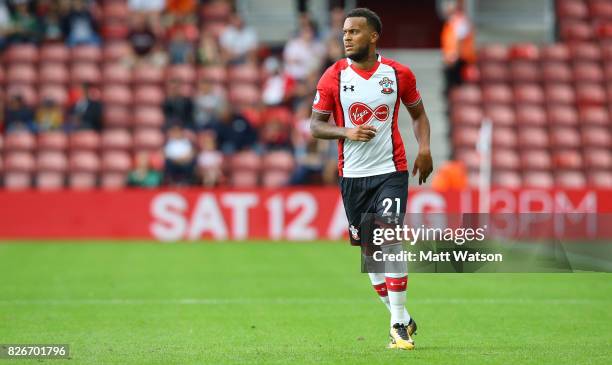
291, 301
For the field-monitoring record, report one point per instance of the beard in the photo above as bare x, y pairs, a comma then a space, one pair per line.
359, 55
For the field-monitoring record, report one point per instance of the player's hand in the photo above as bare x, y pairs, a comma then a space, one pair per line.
361, 133
424, 165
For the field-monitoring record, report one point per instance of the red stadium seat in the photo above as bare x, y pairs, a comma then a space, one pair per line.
505, 159
21, 53
567, 160
21, 74
52, 162
504, 137
559, 94
585, 51
54, 52
148, 95
117, 94
466, 94
494, 72
530, 115
600, 179
116, 73
85, 73
590, 94
564, 138
216, 74
576, 30
86, 54
148, 139
539, 179
465, 136
19, 141
116, 161
596, 137
501, 115
562, 115
148, 75
493, 52
496, 94
600, 9
148, 117
608, 73
524, 51
53, 73
523, 71
570, 180
556, 52
18, 167
506, 179
216, 11
246, 73
116, 10
278, 167
26, 91
466, 115
84, 167
606, 51
57, 93
117, 116
182, 73
528, 94
244, 95
116, 51
594, 115
535, 160
532, 137
556, 72
588, 72
598, 158
50, 180
116, 139
469, 157
244, 169
52, 141
572, 9
84, 140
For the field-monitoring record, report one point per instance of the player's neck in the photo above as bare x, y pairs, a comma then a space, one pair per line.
367, 63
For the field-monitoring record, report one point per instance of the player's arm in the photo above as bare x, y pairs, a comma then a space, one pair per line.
420, 124
321, 128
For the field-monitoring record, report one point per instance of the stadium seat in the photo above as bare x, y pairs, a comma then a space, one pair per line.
117, 94
469, 157
598, 158
117, 116
500, 115
588, 72
538, 179
572, 9
86, 54
246, 73
244, 169
528, 94
556, 72
54, 92
84, 140
567, 160
148, 95
52, 141
148, 139
494, 72
277, 168
144, 74
244, 95
585, 51
559, 94
504, 137
535, 160
18, 168
215, 11
575, 30
21, 53
600, 9
466, 94
496, 94
465, 136
564, 138
467, 115
54, 52
532, 137
594, 115
28, 92
216, 74
116, 139
183, 73
506, 179
562, 115
556, 52
570, 180
85, 73
600, 179
596, 137
493, 52
51, 168
21, 74
530, 115
84, 167
116, 73
116, 10
608, 73
116, 161
53, 73
523, 71
116, 51
524, 51
505, 159
148, 117
19, 141
590, 94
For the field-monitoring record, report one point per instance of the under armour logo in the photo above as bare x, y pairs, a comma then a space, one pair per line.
346, 88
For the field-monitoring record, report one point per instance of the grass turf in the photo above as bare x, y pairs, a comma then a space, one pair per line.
263, 303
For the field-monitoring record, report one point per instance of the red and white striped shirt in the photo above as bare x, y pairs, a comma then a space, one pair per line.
356, 97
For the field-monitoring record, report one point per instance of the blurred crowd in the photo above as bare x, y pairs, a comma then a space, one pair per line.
204, 123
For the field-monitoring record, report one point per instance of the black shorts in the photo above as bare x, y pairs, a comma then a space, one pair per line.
371, 197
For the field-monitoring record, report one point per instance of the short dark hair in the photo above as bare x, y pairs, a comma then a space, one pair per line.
370, 16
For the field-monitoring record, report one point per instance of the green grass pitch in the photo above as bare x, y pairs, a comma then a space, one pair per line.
273, 303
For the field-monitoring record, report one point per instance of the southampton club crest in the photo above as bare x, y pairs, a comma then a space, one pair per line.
386, 84
354, 232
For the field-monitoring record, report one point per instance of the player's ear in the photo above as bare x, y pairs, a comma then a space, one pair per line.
374, 37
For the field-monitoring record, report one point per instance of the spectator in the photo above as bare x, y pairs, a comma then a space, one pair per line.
5, 23
208, 103
238, 42
151, 9
50, 24
141, 36
180, 49
178, 109
23, 28
274, 131
452, 176
143, 174
310, 163
179, 155
18, 116
80, 26
49, 116
86, 113
208, 52
180, 8
234, 132
457, 40
278, 87
210, 160
303, 55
